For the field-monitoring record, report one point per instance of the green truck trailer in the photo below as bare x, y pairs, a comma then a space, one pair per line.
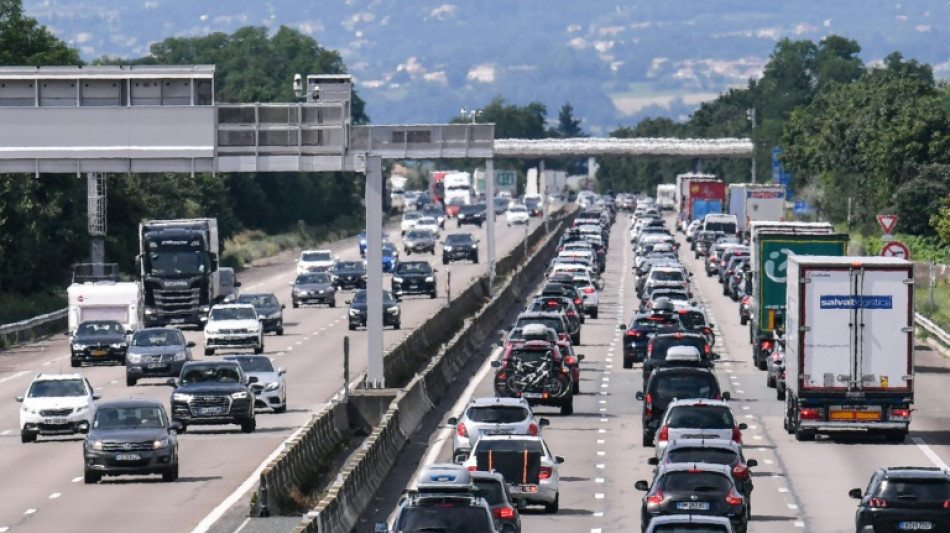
771, 244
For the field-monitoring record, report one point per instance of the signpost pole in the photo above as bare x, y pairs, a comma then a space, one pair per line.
490, 219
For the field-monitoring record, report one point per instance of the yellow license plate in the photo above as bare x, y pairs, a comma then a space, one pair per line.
100, 352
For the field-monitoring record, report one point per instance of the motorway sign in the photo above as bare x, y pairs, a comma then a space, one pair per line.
801, 207
895, 249
887, 222
505, 178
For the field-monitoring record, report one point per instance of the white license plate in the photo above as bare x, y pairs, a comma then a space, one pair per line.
915, 526
55, 421
693, 506
531, 394
497, 432
210, 410
177, 321
153, 366
128, 457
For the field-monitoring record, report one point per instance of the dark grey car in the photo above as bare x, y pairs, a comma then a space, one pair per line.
268, 308
131, 437
156, 353
313, 288
419, 241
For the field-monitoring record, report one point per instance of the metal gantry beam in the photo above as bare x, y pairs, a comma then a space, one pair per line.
630, 147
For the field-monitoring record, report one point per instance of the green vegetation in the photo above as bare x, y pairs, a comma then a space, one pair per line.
940, 313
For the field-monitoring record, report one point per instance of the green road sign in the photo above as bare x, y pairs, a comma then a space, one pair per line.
505, 178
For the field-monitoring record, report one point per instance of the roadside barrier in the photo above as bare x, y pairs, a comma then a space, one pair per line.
32, 328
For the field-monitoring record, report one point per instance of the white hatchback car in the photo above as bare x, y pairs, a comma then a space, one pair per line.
234, 326
409, 220
429, 224
696, 418
517, 214
315, 261
56, 404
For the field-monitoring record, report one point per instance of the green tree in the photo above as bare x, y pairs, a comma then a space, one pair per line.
24, 42
916, 200
941, 220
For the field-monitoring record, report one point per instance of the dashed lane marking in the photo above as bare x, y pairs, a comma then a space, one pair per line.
30, 511
76, 479
55, 495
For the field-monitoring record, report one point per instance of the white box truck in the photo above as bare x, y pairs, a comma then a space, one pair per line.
666, 196
849, 343
105, 300
752, 202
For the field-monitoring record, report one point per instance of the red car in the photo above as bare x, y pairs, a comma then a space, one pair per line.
452, 210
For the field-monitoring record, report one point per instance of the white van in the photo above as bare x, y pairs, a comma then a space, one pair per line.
721, 222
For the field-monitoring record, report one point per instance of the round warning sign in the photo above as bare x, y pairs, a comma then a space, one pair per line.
895, 249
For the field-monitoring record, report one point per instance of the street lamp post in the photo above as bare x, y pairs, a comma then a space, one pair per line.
750, 114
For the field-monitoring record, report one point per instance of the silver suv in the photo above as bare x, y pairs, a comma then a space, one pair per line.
698, 418
492, 416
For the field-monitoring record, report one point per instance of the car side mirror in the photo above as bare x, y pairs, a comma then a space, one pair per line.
559, 459
237, 283
544, 422
726, 396
716, 357
653, 461
281, 371
191, 344
639, 395
282, 306
622, 327
291, 284
580, 357
751, 463
453, 421
855, 493
67, 334
691, 274
496, 364
642, 485
743, 425
18, 398
252, 379
347, 301
171, 382
96, 396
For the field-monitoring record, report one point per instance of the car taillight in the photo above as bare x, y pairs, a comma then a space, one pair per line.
766, 345
878, 502
577, 301
707, 349
462, 430
570, 360
776, 357
740, 471
503, 512
655, 499
501, 376
588, 290
733, 499
533, 429
810, 414
783, 374
546, 472
472, 468
707, 331
633, 333
648, 405
664, 434
736, 435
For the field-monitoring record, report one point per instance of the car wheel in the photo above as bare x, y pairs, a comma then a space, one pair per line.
445, 261
171, 474
433, 295
248, 426
627, 363
209, 351
804, 435
647, 440
280, 330
408, 252
576, 388
568, 408
130, 382
770, 382
281, 408
91, 478
779, 394
593, 314
75, 363
27, 437
333, 302
352, 327
576, 339
743, 320
396, 325
295, 304
552, 507
259, 349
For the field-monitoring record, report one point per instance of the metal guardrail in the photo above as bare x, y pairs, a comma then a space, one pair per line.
31, 328
932, 328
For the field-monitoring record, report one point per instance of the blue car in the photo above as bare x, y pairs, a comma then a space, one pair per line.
390, 257
362, 239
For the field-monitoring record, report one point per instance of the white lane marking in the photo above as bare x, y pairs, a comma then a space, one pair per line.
290, 348
30, 511
48, 363
602, 402
603, 409
599, 514
595, 530
799, 523
746, 407
757, 437
740, 391
238, 493
600, 441
76, 479
601, 453
598, 480
4, 529
792, 506
243, 525
600, 466
599, 495
783, 490
6, 432
769, 461
601, 431
934, 458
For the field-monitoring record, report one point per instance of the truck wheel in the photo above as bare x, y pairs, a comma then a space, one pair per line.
896, 436
130, 382
209, 351
552, 507
248, 426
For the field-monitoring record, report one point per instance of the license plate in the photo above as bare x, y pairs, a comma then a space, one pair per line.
100, 352
210, 410
55, 421
128, 457
531, 394
693, 506
915, 526
154, 366
177, 321
497, 432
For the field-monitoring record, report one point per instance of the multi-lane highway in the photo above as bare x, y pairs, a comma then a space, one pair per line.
799, 486
43, 489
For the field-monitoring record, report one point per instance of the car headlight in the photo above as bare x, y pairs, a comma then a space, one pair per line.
96, 445
430, 279
181, 397
79, 347
30, 410
180, 356
273, 385
393, 310
159, 444
397, 279
447, 248
82, 408
254, 329
239, 395
354, 312
134, 358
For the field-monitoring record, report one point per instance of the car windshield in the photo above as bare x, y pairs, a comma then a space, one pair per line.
412, 215
255, 364
360, 297
497, 414
690, 528
312, 257
455, 517
685, 386
716, 456
700, 417
667, 275
414, 267
457, 239
210, 374
389, 249
57, 388
100, 328
518, 209
343, 266
157, 338
233, 313
416, 235
695, 481
313, 279
553, 323
129, 418
258, 300
916, 490
492, 491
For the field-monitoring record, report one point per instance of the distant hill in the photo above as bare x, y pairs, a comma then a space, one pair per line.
420, 61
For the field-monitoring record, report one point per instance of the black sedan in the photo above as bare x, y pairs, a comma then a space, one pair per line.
414, 277
131, 437
313, 288
392, 314
460, 247
472, 214
268, 308
349, 275
640, 330
98, 341
694, 488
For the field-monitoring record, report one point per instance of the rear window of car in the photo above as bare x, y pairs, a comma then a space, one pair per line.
693, 319
685, 385
695, 482
690, 528
916, 490
497, 414
445, 516
662, 344
700, 417
716, 456
552, 323
492, 491
530, 356
654, 323
667, 275
509, 445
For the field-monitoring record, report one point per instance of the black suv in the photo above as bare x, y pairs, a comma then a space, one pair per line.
392, 313
215, 393
904, 498
661, 343
131, 437
349, 275
459, 247
668, 384
414, 277
640, 330
472, 214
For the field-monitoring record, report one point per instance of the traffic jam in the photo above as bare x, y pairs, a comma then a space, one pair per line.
495, 469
